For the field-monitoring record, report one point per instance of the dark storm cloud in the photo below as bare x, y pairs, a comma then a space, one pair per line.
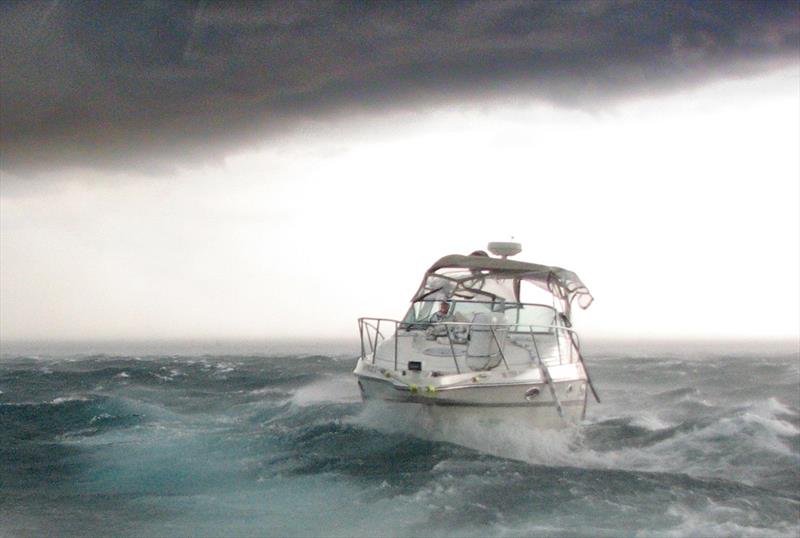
100, 83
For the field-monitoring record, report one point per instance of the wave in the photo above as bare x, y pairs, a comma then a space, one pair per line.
236, 445
742, 444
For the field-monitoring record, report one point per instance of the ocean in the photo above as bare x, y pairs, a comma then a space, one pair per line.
219, 439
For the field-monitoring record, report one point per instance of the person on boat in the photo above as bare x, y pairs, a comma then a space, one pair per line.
437, 327
442, 314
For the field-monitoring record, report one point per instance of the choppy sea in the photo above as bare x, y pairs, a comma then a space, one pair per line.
273, 440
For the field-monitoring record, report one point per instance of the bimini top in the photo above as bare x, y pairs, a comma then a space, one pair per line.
499, 278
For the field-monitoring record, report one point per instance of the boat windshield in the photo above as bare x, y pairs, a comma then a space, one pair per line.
540, 316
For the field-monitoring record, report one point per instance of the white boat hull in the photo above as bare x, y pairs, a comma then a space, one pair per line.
523, 396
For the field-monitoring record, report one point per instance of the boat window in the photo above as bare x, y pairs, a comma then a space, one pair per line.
532, 293
419, 312
466, 310
541, 317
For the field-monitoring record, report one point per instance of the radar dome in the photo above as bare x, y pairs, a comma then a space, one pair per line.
504, 248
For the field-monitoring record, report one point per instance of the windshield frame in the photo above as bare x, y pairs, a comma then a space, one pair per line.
420, 312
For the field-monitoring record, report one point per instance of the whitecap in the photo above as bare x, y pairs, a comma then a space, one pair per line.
65, 399
271, 391
224, 367
716, 520
650, 422
77, 434
339, 389
777, 407
715, 448
773, 424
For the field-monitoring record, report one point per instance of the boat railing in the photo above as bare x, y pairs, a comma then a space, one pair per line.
375, 331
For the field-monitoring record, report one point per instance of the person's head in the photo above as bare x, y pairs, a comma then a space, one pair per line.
444, 308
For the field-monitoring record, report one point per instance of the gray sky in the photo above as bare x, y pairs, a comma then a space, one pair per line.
208, 169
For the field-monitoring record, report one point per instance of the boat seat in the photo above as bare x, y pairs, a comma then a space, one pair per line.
487, 336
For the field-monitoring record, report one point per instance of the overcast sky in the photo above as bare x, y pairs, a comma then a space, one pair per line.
242, 170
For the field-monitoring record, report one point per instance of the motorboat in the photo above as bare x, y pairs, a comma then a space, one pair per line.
487, 336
